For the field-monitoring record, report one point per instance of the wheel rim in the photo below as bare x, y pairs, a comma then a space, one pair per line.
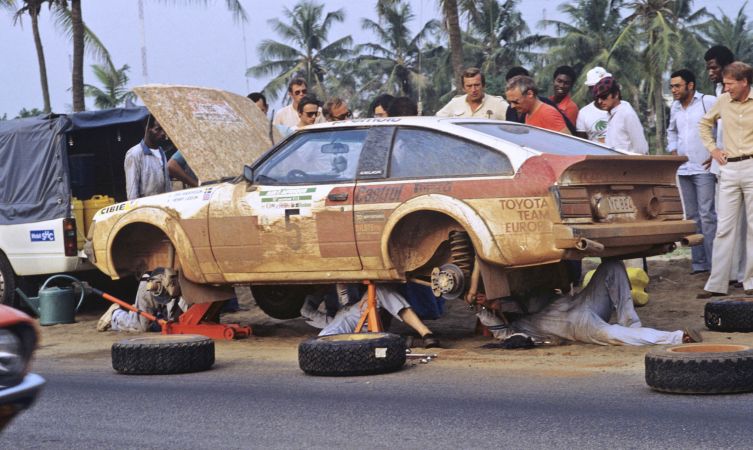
708, 348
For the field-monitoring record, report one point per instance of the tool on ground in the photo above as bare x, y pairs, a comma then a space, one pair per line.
55, 305
370, 316
199, 318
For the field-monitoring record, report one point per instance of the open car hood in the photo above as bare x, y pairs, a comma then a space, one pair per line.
216, 131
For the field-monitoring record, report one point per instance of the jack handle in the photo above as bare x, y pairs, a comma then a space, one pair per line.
92, 290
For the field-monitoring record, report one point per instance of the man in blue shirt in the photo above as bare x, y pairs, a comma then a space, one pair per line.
697, 184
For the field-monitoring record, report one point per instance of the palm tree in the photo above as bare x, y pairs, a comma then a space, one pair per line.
114, 91
452, 24
735, 33
33, 9
584, 40
393, 64
658, 23
309, 56
500, 38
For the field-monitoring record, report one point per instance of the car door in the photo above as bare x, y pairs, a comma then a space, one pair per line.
298, 214
421, 162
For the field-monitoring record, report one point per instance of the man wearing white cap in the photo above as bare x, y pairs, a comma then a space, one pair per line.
592, 121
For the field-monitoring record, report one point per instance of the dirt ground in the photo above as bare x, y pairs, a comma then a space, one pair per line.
672, 305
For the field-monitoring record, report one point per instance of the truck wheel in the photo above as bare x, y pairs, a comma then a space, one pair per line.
281, 302
729, 315
156, 355
7, 282
701, 369
352, 354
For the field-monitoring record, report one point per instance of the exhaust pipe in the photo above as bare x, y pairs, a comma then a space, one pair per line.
587, 245
692, 240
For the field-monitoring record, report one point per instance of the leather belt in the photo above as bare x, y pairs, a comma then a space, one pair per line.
740, 158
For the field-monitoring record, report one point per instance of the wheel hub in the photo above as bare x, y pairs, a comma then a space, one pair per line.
447, 281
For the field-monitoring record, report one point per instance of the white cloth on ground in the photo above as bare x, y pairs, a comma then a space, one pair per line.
585, 316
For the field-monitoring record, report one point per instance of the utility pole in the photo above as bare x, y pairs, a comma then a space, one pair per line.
144, 70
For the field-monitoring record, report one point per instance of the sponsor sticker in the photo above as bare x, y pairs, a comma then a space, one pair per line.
42, 235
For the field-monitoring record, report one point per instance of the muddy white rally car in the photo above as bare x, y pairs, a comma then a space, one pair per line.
477, 209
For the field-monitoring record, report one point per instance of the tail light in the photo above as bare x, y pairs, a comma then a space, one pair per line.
574, 203
69, 236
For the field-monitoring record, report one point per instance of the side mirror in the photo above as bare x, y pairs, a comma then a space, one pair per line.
248, 173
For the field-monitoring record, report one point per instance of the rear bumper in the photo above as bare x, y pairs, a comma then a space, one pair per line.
624, 235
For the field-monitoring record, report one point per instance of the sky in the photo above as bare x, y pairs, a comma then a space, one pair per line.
190, 44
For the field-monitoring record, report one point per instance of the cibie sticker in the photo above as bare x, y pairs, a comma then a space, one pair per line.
380, 352
42, 235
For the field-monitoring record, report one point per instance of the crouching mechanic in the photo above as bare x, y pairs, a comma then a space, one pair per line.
347, 317
585, 317
158, 294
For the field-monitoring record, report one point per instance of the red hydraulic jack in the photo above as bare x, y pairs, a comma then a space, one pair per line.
370, 316
199, 318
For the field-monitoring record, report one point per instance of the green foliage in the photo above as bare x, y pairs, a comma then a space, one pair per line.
26, 113
114, 91
309, 56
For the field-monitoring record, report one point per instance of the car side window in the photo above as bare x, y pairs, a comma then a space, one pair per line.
424, 153
314, 157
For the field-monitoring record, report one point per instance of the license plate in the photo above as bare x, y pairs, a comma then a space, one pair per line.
621, 204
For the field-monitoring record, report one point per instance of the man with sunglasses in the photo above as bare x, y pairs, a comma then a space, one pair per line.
523, 95
624, 129
288, 116
336, 109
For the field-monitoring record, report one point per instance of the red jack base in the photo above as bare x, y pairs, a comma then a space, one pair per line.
201, 318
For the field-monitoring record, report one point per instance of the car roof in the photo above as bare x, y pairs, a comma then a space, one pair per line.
516, 153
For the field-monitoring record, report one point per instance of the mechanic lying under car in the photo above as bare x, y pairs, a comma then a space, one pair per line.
347, 317
166, 304
585, 317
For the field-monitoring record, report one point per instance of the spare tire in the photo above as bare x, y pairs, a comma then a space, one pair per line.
159, 355
352, 354
701, 369
735, 314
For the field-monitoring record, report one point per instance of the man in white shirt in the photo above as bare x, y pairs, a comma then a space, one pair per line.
475, 102
624, 129
592, 121
288, 116
145, 164
717, 58
697, 184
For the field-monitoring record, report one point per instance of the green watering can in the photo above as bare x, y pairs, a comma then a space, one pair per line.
55, 305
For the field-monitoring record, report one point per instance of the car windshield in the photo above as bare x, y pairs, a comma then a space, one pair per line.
541, 140
315, 157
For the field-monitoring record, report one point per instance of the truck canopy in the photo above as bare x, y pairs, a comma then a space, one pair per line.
40, 168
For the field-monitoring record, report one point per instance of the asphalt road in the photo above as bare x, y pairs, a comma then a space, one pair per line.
270, 404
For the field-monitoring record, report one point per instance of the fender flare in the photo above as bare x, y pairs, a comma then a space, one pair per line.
483, 241
163, 220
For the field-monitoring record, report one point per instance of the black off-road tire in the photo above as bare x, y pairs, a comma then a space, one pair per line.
729, 315
281, 302
701, 369
159, 355
7, 282
352, 354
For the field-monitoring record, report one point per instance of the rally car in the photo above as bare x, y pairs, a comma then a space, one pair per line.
474, 208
